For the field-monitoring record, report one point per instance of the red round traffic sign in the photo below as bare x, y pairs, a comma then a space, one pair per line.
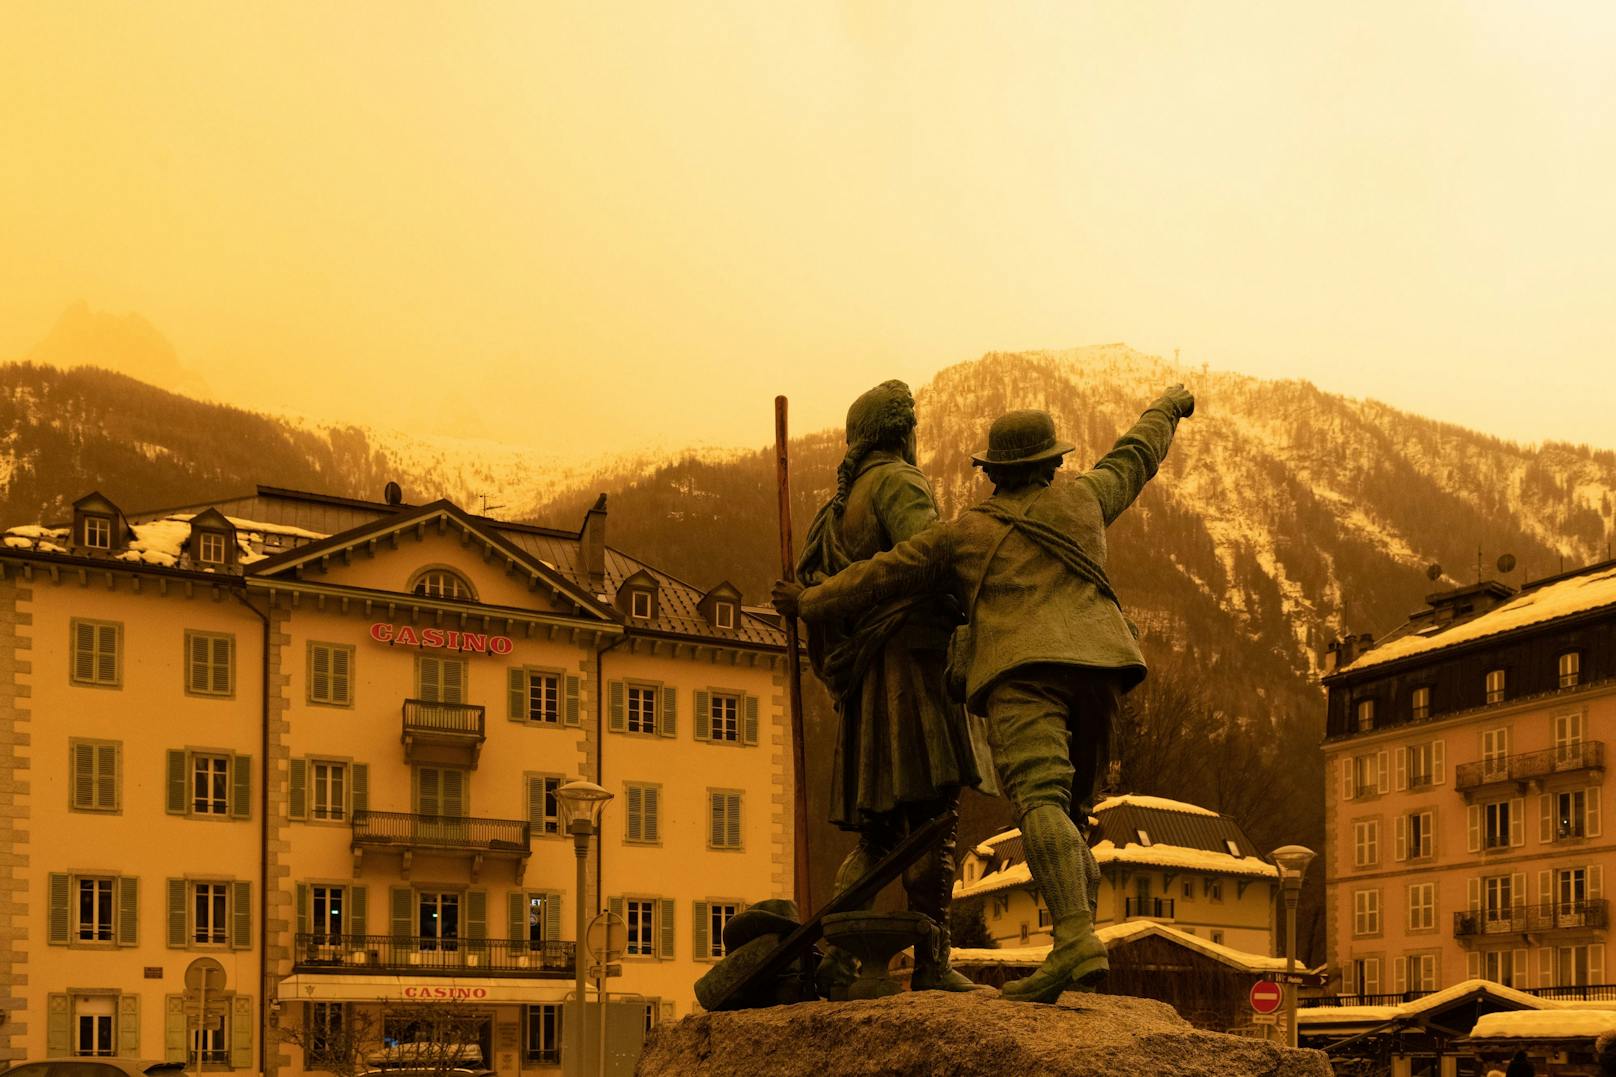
1266, 996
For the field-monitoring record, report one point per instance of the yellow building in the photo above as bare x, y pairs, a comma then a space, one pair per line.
1466, 775
312, 744
1160, 860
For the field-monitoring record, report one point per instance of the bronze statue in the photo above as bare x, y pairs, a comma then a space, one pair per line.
1047, 653
903, 748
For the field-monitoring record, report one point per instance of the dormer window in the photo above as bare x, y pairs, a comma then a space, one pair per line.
1366, 715
1495, 686
441, 583
210, 548
724, 614
1570, 669
98, 532
639, 605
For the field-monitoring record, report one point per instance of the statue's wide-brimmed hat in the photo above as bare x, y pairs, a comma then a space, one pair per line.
775, 916
1022, 437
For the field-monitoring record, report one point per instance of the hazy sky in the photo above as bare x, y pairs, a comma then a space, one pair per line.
603, 224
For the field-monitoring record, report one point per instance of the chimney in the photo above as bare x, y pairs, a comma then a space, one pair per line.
592, 546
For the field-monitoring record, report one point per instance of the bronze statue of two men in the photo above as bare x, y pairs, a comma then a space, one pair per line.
1012, 602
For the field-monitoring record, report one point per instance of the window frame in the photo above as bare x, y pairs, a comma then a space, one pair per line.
635, 596
206, 536
309, 693
192, 921
1366, 922
77, 926
738, 822
345, 808
532, 1013
104, 521
192, 761
558, 694
1573, 677
1496, 811
724, 615
642, 788
1366, 842
651, 936
1364, 715
539, 828
229, 692
1422, 900
95, 653
1419, 703
419, 586
1500, 693
647, 690
73, 745
714, 697
110, 1048
716, 951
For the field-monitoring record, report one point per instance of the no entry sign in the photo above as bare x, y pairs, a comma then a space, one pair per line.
1266, 996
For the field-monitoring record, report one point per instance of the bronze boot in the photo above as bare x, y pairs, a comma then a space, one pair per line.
932, 971
1058, 858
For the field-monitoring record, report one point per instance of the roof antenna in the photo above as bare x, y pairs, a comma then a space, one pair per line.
1478, 562
486, 505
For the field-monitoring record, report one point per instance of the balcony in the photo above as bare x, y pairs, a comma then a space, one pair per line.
433, 957
451, 733
1148, 908
1530, 767
1532, 919
441, 835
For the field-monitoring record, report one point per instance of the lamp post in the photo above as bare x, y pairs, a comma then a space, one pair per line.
1292, 862
581, 805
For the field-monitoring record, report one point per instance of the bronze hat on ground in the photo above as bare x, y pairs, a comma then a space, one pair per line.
776, 916
1022, 437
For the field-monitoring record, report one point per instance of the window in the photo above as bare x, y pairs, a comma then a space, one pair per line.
210, 548
719, 915
1217, 938
1571, 895
440, 680
1570, 669
210, 784
93, 1025
724, 820
96, 659
95, 910
724, 714
441, 583
438, 923
1366, 975
1495, 686
328, 1023
1570, 814
209, 922
543, 1026
325, 909
330, 781
1422, 972
1144, 837
1497, 902
640, 915
1422, 907
209, 1042
208, 663
1365, 843
95, 779
639, 604
1233, 847
724, 614
642, 709
440, 792
1499, 967
98, 532
537, 696
543, 805
331, 674
1365, 775
1366, 715
1189, 891
1214, 889
1366, 912
643, 814
1420, 704
1421, 834
1421, 763
540, 909
1573, 966
1496, 825
1568, 738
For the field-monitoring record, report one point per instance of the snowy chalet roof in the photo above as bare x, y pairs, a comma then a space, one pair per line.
1544, 1024
1113, 935
1540, 602
1320, 1017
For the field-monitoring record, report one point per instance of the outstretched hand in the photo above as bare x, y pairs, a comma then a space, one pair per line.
787, 594
1182, 400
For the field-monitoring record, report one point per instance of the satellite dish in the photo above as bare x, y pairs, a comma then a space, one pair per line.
394, 493
1433, 572
1506, 563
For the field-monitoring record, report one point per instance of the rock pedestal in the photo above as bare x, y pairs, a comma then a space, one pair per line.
920, 1034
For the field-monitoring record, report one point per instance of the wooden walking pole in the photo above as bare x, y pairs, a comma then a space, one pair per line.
799, 747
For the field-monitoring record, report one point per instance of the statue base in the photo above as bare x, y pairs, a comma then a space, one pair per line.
917, 1034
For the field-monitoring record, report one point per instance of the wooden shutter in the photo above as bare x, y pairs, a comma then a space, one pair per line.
1473, 828
222, 681
617, 719
668, 712
342, 675
427, 680
715, 820
355, 912
60, 926
241, 918
1518, 897
196, 669
1592, 821
1596, 963
1545, 887
635, 814
82, 761
428, 794
241, 786
704, 716
84, 657
176, 913
750, 724
298, 789
128, 1026
516, 913
1473, 894
107, 758
572, 701
516, 694
1402, 838
174, 1028
1383, 776
1400, 758
653, 813
665, 929
301, 896
1472, 966
552, 916
1545, 966
1399, 974
732, 820
1517, 821
1438, 769
1346, 778
176, 782
359, 786
1545, 818
699, 947
1596, 887
320, 689
59, 1026
476, 914
1518, 967
241, 1032
454, 793
616, 906
535, 803
454, 680
128, 887
403, 918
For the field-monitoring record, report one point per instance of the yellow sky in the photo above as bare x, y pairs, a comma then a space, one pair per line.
610, 224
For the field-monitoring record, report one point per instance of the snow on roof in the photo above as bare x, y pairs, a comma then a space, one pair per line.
1562, 598
1331, 1015
1544, 1024
1347, 1015
1006, 878
1159, 803
1177, 856
1127, 931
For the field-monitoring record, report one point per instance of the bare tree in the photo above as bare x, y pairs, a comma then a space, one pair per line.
340, 1041
423, 1039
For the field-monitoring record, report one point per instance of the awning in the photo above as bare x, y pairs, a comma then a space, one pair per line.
338, 987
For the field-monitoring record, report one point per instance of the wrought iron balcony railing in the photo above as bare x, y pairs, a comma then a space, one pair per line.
433, 957
1157, 908
1581, 992
406, 831
1521, 919
1584, 755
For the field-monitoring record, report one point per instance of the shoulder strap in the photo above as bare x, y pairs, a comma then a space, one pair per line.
998, 512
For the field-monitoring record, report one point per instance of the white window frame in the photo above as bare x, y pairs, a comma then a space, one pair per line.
328, 793
719, 914
102, 1041
724, 724
1421, 834
640, 914
1495, 822
1568, 826
724, 614
639, 604
1365, 913
211, 928
1419, 703
98, 532
1366, 715
210, 547
1422, 906
1496, 685
327, 910
642, 704
103, 924
1365, 843
209, 769
541, 1022
1569, 668
444, 583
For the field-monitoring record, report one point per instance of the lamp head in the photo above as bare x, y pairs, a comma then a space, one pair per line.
582, 801
1292, 862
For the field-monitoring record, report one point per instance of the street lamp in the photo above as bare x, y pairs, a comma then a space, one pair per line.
1292, 862
581, 805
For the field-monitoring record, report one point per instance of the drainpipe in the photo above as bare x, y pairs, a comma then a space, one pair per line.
263, 837
600, 766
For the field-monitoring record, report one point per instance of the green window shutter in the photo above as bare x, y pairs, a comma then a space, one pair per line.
732, 820
402, 912
359, 787
61, 899
665, 933
82, 780
84, 652
128, 1026
302, 909
715, 820
704, 717
552, 916
516, 921
241, 786
241, 1032
751, 721
106, 659
173, 1028
453, 671
428, 800
196, 666
128, 910
59, 1026
698, 934
176, 783
635, 815
476, 914
653, 813
572, 701
355, 911
107, 758
176, 913
223, 648
516, 683
668, 725
241, 922
426, 679
454, 793
298, 789
619, 707
535, 804
320, 672
342, 659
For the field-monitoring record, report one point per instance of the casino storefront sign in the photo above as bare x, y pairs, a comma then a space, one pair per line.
328, 987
